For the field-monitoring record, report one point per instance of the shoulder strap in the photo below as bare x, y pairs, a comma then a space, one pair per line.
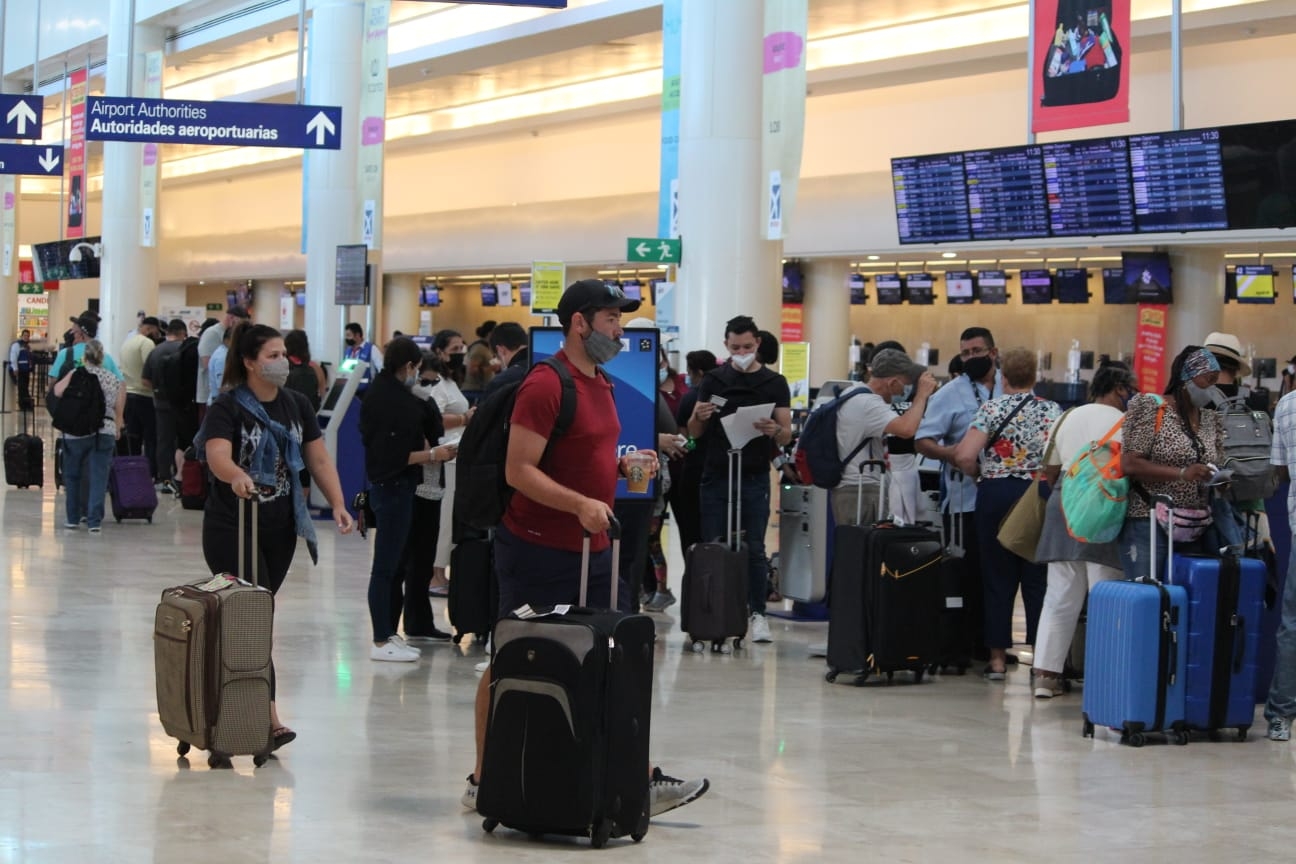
1111, 433
1052, 439
567, 401
1003, 424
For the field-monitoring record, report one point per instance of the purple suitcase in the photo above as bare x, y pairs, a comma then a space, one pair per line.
130, 486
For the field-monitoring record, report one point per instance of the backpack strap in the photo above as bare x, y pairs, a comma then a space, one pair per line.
567, 401
841, 400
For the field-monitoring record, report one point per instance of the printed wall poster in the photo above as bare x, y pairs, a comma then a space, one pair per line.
1082, 65
149, 157
783, 111
1150, 348
547, 285
794, 364
76, 157
793, 329
668, 183
373, 130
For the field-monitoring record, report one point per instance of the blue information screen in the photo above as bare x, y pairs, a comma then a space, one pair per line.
634, 381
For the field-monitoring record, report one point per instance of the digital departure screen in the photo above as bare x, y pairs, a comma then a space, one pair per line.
918, 288
1089, 190
1071, 285
1114, 291
992, 286
1178, 181
931, 199
1007, 198
855, 282
1037, 286
890, 290
1255, 283
959, 287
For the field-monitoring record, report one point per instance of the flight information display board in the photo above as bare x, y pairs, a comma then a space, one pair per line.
992, 286
931, 199
918, 288
1007, 197
1178, 181
890, 289
1089, 189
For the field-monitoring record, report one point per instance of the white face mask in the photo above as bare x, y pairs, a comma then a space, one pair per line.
743, 361
422, 391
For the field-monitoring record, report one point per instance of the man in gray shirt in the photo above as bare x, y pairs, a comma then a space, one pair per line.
210, 340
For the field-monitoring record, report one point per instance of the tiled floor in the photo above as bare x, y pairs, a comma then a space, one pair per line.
954, 770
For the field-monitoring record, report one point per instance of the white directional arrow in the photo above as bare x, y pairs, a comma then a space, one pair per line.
643, 249
322, 126
23, 114
49, 160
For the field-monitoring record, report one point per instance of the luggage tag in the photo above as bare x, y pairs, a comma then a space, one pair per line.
218, 582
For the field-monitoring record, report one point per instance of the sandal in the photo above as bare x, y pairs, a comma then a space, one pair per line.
281, 736
992, 674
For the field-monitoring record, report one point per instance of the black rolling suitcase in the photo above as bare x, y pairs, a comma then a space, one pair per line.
570, 711
885, 612
474, 594
24, 457
714, 587
954, 655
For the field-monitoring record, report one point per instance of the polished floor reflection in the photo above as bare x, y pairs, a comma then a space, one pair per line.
956, 769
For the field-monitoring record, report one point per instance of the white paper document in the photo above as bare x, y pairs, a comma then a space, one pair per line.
740, 426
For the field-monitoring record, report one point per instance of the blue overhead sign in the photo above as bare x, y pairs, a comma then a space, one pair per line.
43, 160
227, 124
20, 115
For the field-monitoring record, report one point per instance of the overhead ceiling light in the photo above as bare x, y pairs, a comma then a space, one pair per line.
949, 254
874, 257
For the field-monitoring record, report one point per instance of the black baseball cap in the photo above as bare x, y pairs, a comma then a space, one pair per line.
151, 321
592, 294
237, 312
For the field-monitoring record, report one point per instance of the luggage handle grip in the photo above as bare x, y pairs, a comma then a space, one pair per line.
614, 533
248, 564
859, 489
1154, 500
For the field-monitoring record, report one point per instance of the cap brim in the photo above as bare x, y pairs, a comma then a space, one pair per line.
916, 371
628, 305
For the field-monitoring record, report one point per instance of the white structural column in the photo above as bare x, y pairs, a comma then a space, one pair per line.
400, 303
333, 78
1198, 308
128, 271
827, 318
265, 302
728, 268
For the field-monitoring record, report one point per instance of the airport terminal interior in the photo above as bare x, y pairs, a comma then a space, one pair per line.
478, 144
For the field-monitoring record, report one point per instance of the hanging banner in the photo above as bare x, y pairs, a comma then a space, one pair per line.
1150, 348
9, 188
1082, 68
783, 111
373, 129
793, 328
75, 156
794, 364
149, 159
668, 185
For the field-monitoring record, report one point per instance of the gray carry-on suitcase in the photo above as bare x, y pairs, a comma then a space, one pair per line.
211, 650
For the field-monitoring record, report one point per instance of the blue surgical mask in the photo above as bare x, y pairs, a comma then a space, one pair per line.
662, 376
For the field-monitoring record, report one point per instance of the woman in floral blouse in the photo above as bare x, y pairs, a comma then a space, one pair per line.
1004, 448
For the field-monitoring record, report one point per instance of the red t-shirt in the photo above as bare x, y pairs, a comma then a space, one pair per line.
584, 460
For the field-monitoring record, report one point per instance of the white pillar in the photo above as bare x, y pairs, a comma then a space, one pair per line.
827, 318
333, 78
265, 302
128, 278
728, 268
401, 303
1198, 307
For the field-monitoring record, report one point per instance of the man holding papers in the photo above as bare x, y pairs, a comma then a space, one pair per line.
742, 405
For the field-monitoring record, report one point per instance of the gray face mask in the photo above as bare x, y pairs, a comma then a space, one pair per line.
275, 371
1204, 396
601, 349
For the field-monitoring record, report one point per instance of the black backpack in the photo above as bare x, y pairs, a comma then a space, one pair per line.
178, 373
481, 491
52, 401
81, 408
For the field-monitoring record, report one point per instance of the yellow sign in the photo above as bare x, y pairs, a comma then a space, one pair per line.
794, 363
547, 284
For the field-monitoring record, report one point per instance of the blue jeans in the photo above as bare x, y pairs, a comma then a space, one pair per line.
755, 519
1282, 693
82, 456
393, 506
1136, 545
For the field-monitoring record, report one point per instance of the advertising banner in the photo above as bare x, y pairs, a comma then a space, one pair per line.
634, 378
794, 364
75, 159
793, 323
668, 184
547, 278
373, 113
34, 312
1081, 63
1150, 348
149, 159
9, 188
783, 110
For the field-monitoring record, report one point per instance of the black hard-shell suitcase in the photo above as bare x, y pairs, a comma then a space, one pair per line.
885, 613
474, 594
570, 715
24, 457
714, 588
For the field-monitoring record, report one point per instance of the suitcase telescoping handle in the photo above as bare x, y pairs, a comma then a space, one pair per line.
1170, 521
246, 564
867, 465
614, 533
733, 513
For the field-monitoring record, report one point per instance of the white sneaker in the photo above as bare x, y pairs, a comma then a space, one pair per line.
760, 631
664, 793
394, 650
469, 799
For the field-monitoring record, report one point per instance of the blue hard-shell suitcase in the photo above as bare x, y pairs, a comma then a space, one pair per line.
1225, 606
1135, 657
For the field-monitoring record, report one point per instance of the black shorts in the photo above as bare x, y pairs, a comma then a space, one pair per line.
544, 577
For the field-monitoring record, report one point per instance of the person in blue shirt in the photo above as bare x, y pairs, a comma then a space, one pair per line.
84, 328
949, 415
358, 349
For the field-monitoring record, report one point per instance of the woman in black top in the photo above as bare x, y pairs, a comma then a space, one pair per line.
255, 438
399, 431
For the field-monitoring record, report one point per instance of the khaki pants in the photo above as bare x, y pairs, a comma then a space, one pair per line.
845, 498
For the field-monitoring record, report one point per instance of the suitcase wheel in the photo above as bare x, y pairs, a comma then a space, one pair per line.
489, 825
602, 833
719, 647
1134, 739
830, 676
641, 830
1181, 737
260, 759
182, 748
918, 676
219, 760
697, 646
1242, 733
1088, 729
738, 644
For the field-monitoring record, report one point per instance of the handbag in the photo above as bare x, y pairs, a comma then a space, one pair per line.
1020, 530
1189, 522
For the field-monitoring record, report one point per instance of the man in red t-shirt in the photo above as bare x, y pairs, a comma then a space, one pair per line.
538, 546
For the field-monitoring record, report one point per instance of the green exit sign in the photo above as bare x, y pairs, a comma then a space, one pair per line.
31, 288
653, 250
